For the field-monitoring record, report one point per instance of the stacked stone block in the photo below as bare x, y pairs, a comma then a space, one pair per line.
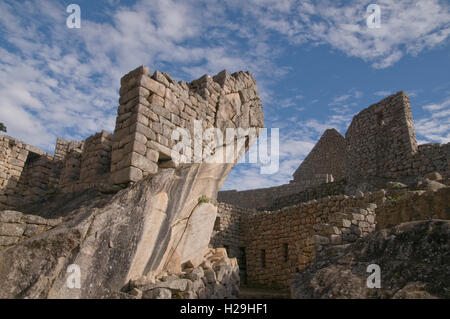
61, 148
13, 157
279, 243
16, 227
41, 174
325, 162
289, 237
380, 145
72, 167
432, 157
279, 196
226, 232
153, 106
96, 157
381, 141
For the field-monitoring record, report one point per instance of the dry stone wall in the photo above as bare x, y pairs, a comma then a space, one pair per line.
326, 161
276, 197
381, 141
25, 172
280, 243
96, 157
380, 146
432, 157
271, 246
405, 206
16, 227
153, 106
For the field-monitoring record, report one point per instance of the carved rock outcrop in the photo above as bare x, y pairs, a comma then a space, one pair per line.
156, 224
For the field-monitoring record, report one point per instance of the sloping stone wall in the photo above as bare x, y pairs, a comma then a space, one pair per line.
381, 141
326, 158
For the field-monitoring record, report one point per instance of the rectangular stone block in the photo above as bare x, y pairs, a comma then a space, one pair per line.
152, 155
143, 163
125, 175
156, 100
10, 216
153, 86
171, 107
145, 110
137, 91
135, 74
8, 241
144, 130
161, 111
10, 229
135, 146
165, 153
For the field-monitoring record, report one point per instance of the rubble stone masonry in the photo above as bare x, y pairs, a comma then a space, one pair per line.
271, 246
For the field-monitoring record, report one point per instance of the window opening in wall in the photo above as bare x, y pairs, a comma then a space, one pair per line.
263, 258
243, 265
380, 118
217, 224
285, 252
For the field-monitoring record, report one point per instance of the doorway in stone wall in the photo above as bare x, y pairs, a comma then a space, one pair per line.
243, 265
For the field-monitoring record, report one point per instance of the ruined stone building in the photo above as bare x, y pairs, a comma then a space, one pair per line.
275, 231
336, 196
151, 108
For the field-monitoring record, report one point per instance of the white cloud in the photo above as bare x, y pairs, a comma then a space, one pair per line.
66, 81
384, 93
407, 27
435, 107
435, 127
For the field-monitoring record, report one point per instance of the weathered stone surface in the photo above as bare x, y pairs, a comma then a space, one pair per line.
10, 229
10, 216
412, 257
195, 274
434, 176
157, 293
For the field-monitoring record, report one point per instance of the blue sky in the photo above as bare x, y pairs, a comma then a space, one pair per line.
316, 63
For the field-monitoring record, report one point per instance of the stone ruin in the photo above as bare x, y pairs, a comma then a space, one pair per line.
338, 194
142, 222
131, 214
151, 108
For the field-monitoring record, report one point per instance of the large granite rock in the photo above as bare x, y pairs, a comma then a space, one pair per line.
414, 260
140, 230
